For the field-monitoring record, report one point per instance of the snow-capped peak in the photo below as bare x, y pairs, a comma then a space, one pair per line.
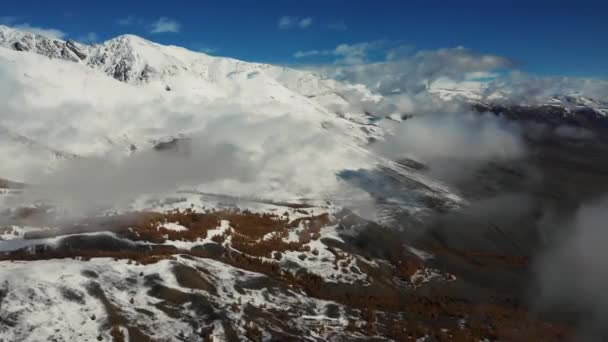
127, 58
20, 40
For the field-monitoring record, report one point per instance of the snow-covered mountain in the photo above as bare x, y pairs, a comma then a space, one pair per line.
170, 72
129, 94
246, 203
145, 77
290, 134
201, 77
570, 103
134, 60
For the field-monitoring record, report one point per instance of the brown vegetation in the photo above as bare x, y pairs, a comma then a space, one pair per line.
387, 309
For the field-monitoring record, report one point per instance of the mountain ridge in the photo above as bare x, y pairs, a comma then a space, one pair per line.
132, 59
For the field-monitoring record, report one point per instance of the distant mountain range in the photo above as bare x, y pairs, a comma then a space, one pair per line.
571, 109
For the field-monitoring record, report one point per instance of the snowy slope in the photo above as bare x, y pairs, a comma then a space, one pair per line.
75, 110
230, 193
134, 60
200, 77
170, 73
282, 119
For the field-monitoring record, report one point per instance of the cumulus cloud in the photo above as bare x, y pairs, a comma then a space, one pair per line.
407, 78
415, 72
165, 25
403, 76
288, 22
403, 71
47, 32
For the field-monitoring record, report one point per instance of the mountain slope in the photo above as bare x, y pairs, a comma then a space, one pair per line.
280, 118
163, 71
170, 195
134, 60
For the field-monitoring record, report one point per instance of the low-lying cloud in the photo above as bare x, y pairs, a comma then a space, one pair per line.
52, 33
85, 185
450, 144
229, 149
573, 273
403, 70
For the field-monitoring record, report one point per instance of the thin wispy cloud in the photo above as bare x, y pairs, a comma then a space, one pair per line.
165, 25
90, 38
344, 53
207, 49
16, 23
338, 25
401, 74
126, 21
47, 32
310, 53
287, 22
8, 20
304, 23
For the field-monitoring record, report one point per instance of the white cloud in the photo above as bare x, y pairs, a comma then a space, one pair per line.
47, 32
404, 79
455, 136
165, 25
304, 23
355, 53
234, 150
310, 53
287, 22
453, 144
345, 53
402, 72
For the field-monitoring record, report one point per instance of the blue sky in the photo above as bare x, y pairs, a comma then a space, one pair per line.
543, 37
